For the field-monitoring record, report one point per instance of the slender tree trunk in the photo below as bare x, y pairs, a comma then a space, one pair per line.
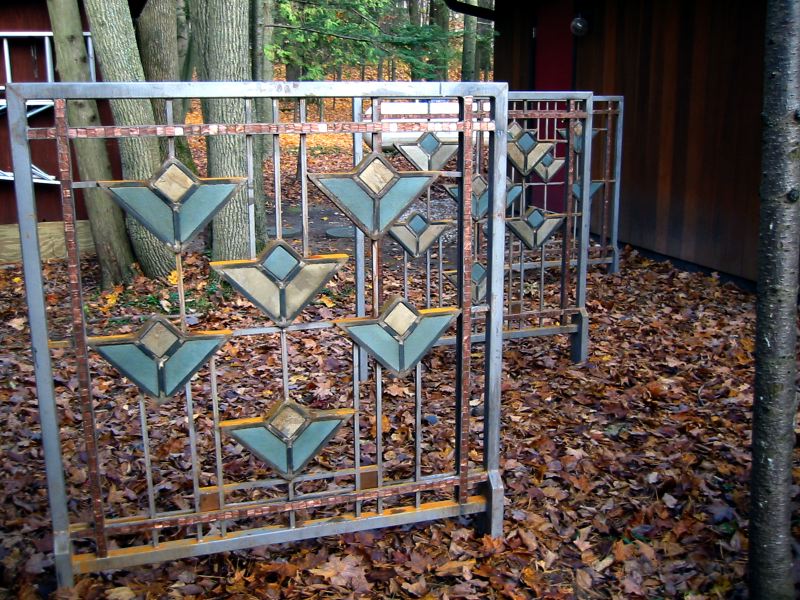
263, 70
157, 29
106, 219
775, 401
225, 51
414, 13
115, 46
468, 52
440, 17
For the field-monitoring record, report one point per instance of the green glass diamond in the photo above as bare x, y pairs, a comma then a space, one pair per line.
280, 263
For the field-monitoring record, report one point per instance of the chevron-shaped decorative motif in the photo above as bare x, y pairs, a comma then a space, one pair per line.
279, 281
480, 195
401, 335
375, 194
428, 153
479, 281
416, 234
173, 205
548, 166
535, 228
578, 139
594, 186
524, 149
289, 436
159, 358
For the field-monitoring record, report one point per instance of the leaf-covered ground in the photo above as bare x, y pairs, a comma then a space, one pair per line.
625, 477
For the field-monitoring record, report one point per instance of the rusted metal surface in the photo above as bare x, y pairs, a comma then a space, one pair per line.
79, 327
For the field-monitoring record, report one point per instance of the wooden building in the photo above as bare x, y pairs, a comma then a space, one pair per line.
691, 73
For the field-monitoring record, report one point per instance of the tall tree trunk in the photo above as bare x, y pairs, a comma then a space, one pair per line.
115, 47
414, 13
106, 219
263, 70
440, 17
157, 29
225, 48
775, 401
483, 44
468, 52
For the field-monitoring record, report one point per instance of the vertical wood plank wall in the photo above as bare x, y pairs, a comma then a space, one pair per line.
691, 74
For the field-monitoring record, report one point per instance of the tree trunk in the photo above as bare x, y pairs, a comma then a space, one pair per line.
157, 30
775, 395
440, 17
483, 44
414, 13
225, 48
106, 219
115, 47
263, 70
468, 52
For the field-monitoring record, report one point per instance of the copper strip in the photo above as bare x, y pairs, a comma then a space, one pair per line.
467, 169
566, 248
255, 129
78, 325
124, 528
547, 114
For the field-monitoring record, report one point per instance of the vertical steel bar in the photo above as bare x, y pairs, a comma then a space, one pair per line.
251, 175
464, 323
303, 160
405, 274
90, 58
148, 467
360, 365
276, 169
580, 339
617, 185
379, 429
285, 364
168, 113
427, 255
569, 209
7, 60
181, 290
37, 317
193, 455
494, 318
605, 214
78, 324
418, 430
356, 427
48, 59
217, 439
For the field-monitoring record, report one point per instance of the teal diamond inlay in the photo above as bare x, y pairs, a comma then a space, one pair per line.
429, 143
526, 141
547, 159
280, 262
536, 227
418, 223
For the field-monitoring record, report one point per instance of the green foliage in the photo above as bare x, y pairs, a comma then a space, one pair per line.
313, 37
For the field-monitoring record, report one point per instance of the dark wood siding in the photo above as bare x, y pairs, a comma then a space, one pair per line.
691, 74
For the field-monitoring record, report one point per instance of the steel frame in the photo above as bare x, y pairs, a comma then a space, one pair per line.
477, 489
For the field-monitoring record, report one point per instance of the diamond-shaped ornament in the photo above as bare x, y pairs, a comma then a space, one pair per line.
416, 235
375, 194
173, 205
524, 148
428, 152
279, 281
535, 227
478, 281
401, 335
480, 195
159, 358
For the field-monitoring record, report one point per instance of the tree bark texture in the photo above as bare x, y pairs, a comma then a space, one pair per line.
263, 70
468, 51
106, 219
115, 47
440, 16
775, 401
157, 30
225, 55
414, 13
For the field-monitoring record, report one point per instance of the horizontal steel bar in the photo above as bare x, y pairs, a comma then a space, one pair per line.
546, 114
174, 550
545, 96
513, 334
28, 34
256, 89
272, 508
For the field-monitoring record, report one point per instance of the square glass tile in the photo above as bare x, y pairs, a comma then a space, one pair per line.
429, 143
478, 186
280, 263
158, 339
526, 142
418, 224
173, 183
547, 159
288, 421
400, 319
376, 176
